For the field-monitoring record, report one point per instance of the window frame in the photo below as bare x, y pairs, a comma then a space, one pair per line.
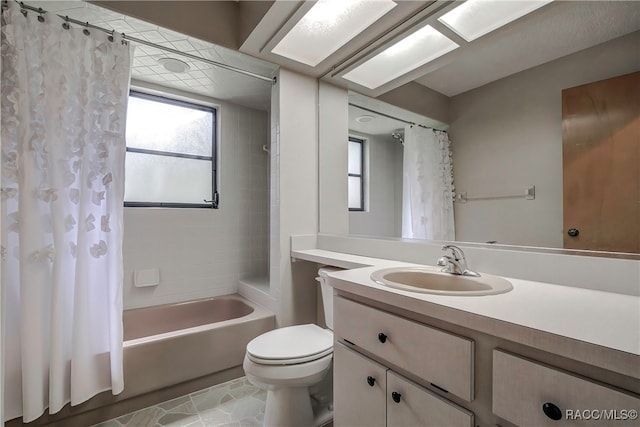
361, 175
214, 203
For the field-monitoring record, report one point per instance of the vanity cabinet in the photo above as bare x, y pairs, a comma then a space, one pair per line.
371, 393
529, 393
462, 369
368, 394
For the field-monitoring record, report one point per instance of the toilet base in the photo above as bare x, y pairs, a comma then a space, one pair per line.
288, 407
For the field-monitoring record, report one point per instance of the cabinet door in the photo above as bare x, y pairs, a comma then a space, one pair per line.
410, 405
359, 387
530, 394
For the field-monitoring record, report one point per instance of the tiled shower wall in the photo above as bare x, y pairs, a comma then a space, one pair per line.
204, 252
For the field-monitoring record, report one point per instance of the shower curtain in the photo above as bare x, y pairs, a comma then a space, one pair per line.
64, 94
427, 186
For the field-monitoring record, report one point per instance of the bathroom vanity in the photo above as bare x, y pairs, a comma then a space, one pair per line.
538, 355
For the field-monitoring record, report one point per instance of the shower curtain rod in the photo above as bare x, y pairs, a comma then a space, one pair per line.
146, 43
396, 118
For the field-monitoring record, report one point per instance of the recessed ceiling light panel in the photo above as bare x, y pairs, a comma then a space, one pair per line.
328, 26
475, 18
415, 50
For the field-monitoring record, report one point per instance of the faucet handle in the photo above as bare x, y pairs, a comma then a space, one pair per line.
443, 261
455, 251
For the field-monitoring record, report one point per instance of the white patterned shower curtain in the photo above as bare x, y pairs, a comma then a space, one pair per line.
64, 96
427, 185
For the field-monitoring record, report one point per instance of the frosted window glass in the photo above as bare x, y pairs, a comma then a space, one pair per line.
355, 157
155, 125
355, 192
152, 178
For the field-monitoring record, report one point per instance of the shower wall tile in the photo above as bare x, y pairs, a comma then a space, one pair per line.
204, 252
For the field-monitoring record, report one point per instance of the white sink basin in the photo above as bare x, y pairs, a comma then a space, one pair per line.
425, 280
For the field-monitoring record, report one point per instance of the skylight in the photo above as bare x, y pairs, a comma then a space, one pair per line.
475, 18
417, 49
328, 26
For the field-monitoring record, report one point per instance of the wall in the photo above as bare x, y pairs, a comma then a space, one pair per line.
419, 99
294, 191
383, 174
204, 252
333, 119
507, 135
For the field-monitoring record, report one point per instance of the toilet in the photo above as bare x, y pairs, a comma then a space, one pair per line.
287, 362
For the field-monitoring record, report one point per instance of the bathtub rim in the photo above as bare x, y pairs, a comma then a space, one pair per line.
258, 312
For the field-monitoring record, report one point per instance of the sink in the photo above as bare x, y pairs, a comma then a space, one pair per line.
432, 281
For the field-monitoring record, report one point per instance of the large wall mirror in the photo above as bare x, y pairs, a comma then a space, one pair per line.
515, 174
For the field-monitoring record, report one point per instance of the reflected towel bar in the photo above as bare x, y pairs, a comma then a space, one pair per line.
529, 194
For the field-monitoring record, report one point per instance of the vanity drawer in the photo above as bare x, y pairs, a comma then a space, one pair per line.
521, 388
443, 359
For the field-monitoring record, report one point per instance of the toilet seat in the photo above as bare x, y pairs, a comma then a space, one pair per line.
291, 345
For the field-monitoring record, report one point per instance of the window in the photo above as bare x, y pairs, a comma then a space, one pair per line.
171, 153
356, 174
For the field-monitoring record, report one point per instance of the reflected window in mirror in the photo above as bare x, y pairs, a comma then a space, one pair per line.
356, 174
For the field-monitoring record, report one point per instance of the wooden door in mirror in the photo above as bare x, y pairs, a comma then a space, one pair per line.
601, 165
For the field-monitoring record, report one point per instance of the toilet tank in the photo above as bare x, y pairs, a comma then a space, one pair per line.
327, 294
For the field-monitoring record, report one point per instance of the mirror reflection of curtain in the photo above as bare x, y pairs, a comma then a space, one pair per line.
427, 187
64, 97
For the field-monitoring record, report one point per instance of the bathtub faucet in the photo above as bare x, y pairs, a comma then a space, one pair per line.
456, 263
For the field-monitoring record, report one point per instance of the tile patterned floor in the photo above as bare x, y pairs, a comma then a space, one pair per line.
236, 403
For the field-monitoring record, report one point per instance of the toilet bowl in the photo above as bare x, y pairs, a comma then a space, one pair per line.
287, 361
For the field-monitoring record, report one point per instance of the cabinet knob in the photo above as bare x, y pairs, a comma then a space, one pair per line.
552, 411
573, 232
382, 337
371, 381
396, 396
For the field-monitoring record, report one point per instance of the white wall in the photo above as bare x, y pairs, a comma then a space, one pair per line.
204, 252
507, 135
383, 171
294, 204
333, 118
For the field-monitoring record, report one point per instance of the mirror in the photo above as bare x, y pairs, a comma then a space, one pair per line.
507, 144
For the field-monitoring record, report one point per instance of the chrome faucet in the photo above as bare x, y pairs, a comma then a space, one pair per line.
456, 263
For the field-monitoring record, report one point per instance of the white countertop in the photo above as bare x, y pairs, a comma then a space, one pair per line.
605, 319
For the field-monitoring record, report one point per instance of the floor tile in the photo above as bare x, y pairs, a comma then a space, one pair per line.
236, 403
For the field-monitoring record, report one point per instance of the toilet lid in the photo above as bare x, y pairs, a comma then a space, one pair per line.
294, 344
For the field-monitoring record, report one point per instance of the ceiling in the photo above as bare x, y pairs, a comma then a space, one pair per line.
555, 30
202, 78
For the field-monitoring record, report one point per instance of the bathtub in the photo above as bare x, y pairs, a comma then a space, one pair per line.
173, 343
169, 351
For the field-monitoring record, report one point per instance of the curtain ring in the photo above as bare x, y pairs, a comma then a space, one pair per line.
110, 38
24, 12
40, 18
65, 25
